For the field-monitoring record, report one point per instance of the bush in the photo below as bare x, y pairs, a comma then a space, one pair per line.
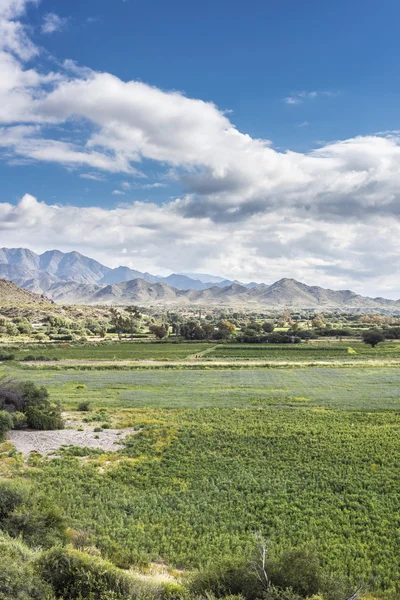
19, 420
12, 495
74, 574
373, 337
5, 424
225, 578
299, 572
18, 580
7, 357
45, 421
84, 406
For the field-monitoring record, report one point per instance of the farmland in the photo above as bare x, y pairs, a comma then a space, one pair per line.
308, 455
337, 388
336, 351
343, 351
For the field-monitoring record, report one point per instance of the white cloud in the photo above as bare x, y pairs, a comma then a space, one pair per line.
118, 193
93, 176
52, 23
145, 236
246, 209
299, 97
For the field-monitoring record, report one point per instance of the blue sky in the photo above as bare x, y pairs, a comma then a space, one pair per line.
316, 81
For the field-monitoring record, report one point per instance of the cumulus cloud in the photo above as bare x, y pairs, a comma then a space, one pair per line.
246, 209
52, 23
149, 237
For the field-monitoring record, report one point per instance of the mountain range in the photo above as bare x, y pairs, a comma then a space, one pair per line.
72, 278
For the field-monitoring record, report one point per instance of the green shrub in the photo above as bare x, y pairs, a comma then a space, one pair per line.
39, 419
19, 580
39, 523
7, 357
225, 578
6, 423
74, 574
300, 571
84, 406
12, 495
19, 420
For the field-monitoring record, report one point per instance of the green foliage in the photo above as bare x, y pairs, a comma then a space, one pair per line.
40, 412
6, 424
18, 577
12, 495
25, 512
19, 420
300, 570
84, 406
373, 337
74, 575
226, 578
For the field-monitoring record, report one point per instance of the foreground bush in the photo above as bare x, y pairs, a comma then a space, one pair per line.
226, 578
18, 577
27, 514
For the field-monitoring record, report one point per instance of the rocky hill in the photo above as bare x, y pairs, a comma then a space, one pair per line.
286, 293
11, 294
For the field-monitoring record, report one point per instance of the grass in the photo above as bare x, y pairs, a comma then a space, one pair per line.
327, 387
306, 455
194, 485
306, 351
115, 351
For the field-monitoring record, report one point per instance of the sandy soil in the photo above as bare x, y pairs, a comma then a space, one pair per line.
48, 442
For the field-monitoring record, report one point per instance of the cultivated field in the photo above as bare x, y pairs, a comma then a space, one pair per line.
307, 454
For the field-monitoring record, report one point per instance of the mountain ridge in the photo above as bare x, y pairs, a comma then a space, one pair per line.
72, 278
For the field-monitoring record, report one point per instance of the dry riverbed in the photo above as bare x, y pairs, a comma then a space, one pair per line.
49, 442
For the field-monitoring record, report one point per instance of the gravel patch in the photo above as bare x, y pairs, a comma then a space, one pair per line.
48, 442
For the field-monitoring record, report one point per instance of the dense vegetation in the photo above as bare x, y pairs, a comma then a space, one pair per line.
307, 457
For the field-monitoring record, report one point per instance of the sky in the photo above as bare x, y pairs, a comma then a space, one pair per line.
252, 140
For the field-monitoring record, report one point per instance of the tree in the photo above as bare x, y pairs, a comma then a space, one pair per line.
134, 319
318, 322
226, 329
160, 331
117, 321
191, 330
373, 337
31, 400
268, 327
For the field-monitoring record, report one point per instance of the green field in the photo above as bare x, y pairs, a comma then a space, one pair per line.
194, 485
350, 389
306, 351
306, 455
113, 351
117, 351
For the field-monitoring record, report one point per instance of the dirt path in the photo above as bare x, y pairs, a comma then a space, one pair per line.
210, 363
200, 354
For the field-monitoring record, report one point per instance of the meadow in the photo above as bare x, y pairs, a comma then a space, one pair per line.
361, 388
